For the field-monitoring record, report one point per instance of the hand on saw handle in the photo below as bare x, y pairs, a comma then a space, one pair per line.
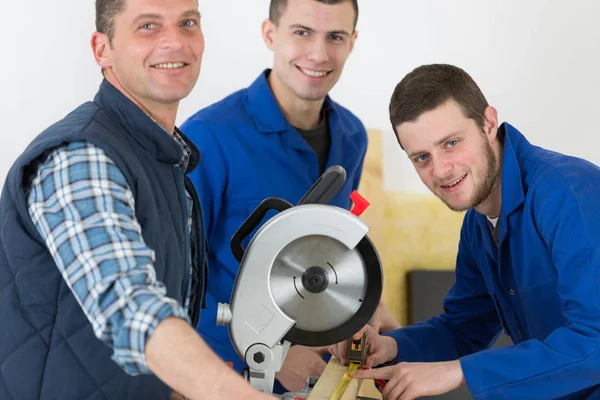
382, 321
300, 363
379, 349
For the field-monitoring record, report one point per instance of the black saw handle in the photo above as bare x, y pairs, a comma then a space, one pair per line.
326, 187
321, 192
270, 203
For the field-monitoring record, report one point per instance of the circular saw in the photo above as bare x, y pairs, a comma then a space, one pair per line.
309, 276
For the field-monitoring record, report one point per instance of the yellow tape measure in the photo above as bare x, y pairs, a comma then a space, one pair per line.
337, 395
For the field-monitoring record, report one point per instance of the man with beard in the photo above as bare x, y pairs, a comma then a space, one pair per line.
528, 259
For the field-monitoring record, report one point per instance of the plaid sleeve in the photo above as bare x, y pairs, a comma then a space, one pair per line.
82, 205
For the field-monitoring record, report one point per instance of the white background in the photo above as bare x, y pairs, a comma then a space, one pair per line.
537, 61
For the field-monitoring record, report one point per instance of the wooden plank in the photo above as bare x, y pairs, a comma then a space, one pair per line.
330, 379
368, 390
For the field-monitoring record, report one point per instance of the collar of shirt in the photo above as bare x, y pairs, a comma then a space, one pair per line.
185, 150
266, 112
143, 129
515, 145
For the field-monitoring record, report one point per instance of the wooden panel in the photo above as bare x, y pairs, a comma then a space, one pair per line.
371, 187
330, 379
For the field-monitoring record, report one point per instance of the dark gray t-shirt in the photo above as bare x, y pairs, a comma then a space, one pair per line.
319, 139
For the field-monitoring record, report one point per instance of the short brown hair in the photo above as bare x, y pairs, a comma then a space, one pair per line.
277, 8
429, 86
106, 10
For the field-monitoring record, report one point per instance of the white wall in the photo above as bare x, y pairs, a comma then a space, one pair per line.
536, 61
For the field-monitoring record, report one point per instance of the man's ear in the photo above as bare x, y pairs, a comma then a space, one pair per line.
268, 33
101, 49
490, 123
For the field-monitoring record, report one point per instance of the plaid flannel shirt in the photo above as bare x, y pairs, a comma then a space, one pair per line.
82, 206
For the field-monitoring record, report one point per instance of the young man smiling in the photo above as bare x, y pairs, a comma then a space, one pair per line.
102, 262
528, 259
275, 138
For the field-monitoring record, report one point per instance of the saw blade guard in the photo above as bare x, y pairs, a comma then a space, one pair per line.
310, 275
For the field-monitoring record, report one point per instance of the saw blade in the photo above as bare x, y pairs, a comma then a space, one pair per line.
328, 289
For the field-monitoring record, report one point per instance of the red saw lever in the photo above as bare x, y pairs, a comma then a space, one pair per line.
360, 203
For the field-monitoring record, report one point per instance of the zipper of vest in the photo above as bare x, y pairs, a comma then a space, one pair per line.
201, 244
182, 194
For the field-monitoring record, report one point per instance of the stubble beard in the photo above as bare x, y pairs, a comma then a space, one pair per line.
486, 188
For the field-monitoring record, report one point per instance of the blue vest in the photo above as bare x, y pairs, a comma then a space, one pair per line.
48, 349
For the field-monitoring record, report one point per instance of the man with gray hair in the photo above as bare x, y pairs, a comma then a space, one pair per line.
102, 256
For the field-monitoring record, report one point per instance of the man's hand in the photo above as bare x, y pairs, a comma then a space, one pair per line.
382, 320
177, 355
300, 363
409, 381
380, 349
